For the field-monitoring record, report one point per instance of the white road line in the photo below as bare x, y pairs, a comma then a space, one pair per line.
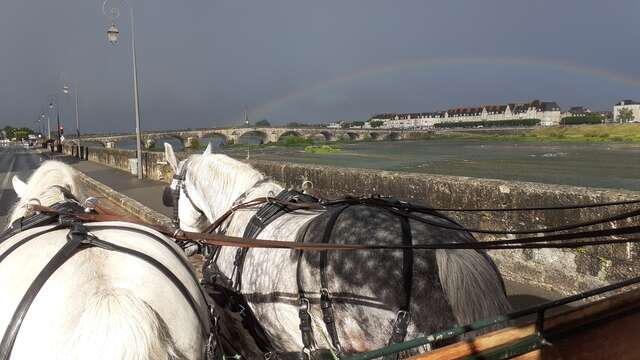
9, 174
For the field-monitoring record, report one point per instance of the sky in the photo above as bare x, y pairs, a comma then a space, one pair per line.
201, 62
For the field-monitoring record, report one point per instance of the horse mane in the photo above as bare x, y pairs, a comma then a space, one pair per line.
115, 321
42, 187
224, 178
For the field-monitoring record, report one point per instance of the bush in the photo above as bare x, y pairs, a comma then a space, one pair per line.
376, 123
263, 123
195, 144
322, 149
294, 141
576, 120
492, 123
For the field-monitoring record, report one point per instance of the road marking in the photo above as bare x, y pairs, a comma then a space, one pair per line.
9, 173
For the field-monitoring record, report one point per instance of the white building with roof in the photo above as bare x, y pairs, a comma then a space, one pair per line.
547, 112
634, 106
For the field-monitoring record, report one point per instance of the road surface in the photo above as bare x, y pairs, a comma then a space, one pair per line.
14, 161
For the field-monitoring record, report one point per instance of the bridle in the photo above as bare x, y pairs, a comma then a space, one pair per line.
171, 196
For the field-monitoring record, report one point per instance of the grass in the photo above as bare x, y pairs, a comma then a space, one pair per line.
322, 149
580, 133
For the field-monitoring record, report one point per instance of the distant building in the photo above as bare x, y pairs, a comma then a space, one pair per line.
335, 125
577, 111
547, 111
606, 115
634, 106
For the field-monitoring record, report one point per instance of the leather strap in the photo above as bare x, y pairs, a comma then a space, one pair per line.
403, 316
77, 240
76, 236
325, 296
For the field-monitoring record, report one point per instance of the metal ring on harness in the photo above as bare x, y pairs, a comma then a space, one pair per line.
29, 205
304, 189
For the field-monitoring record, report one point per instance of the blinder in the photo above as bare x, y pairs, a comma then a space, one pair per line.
171, 196
167, 197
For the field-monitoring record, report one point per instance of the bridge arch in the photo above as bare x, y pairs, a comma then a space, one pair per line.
169, 136
376, 136
217, 139
353, 136
253, 136
176, 141
127, 143
328, 135
392, 136
289, 133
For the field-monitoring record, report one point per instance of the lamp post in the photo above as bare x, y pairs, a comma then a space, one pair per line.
42, 116
112, 35
54, 104
66, 89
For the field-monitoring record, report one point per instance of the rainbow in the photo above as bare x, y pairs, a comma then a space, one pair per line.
377, 70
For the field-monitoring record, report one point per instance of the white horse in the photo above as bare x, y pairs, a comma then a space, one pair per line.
449, 287
100, 303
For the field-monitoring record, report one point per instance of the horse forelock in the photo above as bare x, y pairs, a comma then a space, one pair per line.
43, 187
217, 180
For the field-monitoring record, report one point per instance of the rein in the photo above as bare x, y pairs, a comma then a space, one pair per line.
531, 242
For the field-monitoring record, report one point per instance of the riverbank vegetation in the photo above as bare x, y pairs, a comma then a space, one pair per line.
322, 149
622, 132
578, 133
488, 123
579, 120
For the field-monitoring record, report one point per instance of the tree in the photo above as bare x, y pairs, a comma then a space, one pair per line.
294, 124
9, 132
263, 123
345, 125
625, 115
376, 123
358, 123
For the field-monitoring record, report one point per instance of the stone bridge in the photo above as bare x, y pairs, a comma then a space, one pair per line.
266, 135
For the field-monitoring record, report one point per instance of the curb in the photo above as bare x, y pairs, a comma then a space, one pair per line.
126, 203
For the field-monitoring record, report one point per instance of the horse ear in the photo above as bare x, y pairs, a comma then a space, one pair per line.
19, 186
207, 151
170, 156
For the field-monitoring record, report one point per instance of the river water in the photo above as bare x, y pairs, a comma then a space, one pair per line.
606, 165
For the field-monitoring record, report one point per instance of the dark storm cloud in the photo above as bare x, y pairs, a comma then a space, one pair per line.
202, 61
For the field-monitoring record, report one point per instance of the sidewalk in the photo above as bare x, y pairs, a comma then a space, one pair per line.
147, 192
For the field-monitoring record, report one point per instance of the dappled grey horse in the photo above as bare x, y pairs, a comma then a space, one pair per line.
374, 297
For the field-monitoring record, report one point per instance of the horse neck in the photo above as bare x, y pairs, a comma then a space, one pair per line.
220, 181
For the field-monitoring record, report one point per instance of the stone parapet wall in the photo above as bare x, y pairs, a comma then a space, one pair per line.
565, 271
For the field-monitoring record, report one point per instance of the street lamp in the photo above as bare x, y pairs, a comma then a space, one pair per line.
112, 35
42, 117
54, 104
66, 89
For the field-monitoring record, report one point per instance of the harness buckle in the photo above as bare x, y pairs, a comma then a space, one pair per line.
325, 302
304, 305
306, 353
212, 344
400, 325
